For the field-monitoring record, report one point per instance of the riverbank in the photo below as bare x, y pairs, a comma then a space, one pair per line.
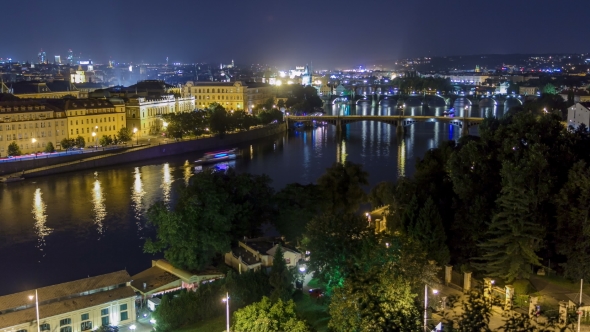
141, 153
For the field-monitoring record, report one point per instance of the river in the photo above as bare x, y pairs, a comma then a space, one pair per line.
70, 226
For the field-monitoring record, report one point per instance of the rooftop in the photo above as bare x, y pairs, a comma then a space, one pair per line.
154, 278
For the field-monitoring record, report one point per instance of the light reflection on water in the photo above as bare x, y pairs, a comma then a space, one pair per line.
137, 194
40, 216
166, 183
99, 208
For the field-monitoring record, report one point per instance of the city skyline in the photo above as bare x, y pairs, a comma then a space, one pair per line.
282, 33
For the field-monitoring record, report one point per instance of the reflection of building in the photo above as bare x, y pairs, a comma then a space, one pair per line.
81, 305
21, 121
578, 114
87, 116
253, 254
162, 278
231, 95
145, 114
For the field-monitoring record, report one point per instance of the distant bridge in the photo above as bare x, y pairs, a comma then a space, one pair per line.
400, 121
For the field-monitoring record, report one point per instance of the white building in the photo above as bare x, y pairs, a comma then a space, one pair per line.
146, 114
253, 254
578, 114
81, 305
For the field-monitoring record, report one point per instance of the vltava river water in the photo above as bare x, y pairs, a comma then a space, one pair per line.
74, 225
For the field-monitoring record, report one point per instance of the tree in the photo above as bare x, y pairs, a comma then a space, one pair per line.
105, 140
212, 211
342, 186
80, 142
124, 135
514, 235
296, 205
280, 277
382, 194
281, 103
14, 149
218, 119
335, 243
573, 209
549, 89
49, 148
267, 316
67, 143
376, 301
429, 231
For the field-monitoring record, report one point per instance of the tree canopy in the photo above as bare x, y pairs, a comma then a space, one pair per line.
268, 316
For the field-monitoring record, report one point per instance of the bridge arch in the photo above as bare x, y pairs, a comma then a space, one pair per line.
488, 102
511, 102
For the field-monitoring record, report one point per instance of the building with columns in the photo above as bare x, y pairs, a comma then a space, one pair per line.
231, 95
75, 306
145, 113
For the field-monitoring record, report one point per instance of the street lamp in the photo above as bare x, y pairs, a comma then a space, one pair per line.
434, 291
94, 135
226, 300
36, 306
136, 138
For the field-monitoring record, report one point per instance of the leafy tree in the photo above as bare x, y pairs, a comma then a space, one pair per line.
281, 103
376, 301
246, 288
80, 142
14, 149
549, 89
342, 186
573, 208
214, 209
124, 135
382, 194
475, 314
335, 243
296, 205
105, 140
267, 316
280, 277
429, 231
49, 148
218, 119
67, 143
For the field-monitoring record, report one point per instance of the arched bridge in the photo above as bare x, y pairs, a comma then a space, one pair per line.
400, 121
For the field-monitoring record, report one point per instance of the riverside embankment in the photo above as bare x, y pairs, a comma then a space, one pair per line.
154, 151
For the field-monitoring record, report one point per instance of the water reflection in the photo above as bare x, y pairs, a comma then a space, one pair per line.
137, 194
99, 208
188, 172
41, 229
166, 183
401, 158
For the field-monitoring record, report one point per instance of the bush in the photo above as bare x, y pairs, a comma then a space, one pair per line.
49, 148
523, 287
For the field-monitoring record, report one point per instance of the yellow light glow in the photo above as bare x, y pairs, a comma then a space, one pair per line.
40, 217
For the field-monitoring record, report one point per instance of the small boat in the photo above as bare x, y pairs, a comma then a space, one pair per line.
12, 178
217, 156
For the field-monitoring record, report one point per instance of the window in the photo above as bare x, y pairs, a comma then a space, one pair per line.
104, 312
45, 327
105, 320
21, 331
66, 321
66, 329
124, 316
85, 326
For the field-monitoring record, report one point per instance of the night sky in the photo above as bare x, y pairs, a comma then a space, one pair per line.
289, 32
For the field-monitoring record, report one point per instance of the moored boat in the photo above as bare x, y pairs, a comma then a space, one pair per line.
217, 156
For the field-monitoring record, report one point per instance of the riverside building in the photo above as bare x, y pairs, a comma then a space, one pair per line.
81, 305
231, 95
31, 125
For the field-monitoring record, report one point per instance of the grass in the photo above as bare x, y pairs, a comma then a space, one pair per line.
216, 324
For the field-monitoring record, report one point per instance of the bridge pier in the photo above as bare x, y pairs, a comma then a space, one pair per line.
400, 129
464, 129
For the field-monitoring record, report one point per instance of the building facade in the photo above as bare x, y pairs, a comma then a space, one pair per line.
253, 254
31, 124
578, 114
231, 95
145, 114
81, 305
40, 90
86, 117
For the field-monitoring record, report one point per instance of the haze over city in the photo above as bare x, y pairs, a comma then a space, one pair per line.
284, 33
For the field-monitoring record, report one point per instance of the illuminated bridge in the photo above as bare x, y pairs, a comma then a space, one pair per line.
400, 121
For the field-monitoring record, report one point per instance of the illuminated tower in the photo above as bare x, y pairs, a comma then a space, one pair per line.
42, 57
70, 57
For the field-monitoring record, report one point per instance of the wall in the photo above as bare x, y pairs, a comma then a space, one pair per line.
164, 150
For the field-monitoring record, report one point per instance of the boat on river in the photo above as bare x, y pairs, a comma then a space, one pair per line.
217, 156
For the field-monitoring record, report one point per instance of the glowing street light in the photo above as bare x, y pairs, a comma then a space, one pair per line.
226, 300
434, 291
136, 138
95, 139
36, 307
